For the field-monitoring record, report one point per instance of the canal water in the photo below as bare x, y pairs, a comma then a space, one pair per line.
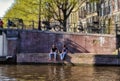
58, 73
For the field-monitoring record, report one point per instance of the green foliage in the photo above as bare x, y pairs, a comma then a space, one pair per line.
61, 10
49, 9
94, 0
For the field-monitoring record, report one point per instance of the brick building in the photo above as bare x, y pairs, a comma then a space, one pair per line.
97, 15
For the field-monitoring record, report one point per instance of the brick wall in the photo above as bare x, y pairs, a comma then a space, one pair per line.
40, 42
12, 47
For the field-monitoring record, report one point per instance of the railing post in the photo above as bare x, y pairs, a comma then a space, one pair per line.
74, 28
39, 20
33, 24
117, 38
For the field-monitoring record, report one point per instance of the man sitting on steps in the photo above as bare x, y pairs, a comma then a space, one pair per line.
53, 52
64, 52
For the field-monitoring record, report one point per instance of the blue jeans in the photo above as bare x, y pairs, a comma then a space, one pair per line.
54, 54
62, 55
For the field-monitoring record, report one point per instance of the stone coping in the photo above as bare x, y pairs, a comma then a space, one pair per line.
70, 59
60, 32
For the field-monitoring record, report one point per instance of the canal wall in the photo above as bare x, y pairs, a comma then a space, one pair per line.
34, 46
41, 42
70, 59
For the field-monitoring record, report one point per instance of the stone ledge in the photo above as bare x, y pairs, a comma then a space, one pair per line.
70, 59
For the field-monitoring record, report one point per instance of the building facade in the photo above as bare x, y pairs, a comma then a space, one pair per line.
97, 16
92, 16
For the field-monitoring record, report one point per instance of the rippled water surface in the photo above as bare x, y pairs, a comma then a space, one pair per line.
58, 73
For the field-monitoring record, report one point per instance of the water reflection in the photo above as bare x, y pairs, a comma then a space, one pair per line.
58, 73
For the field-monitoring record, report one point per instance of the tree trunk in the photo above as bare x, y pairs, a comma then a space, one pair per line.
65, 26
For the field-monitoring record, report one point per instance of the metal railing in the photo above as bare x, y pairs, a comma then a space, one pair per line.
18, 23
93, 28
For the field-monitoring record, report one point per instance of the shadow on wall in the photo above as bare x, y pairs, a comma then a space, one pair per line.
56, 39
33, 42
74, 47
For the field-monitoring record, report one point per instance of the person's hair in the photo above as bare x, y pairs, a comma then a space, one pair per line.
64, 45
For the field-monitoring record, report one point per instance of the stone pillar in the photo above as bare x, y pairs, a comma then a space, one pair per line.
12, 48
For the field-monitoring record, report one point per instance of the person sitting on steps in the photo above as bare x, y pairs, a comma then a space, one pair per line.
53, 52
64, 52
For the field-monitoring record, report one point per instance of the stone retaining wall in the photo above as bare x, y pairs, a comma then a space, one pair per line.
74, 59
41, 42
34, 46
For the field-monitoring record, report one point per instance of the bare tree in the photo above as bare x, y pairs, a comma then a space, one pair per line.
61, 10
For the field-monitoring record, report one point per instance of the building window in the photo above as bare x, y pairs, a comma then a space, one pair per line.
88, 8
91, 6
113, 5
116, 5
95, 6
102, 9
